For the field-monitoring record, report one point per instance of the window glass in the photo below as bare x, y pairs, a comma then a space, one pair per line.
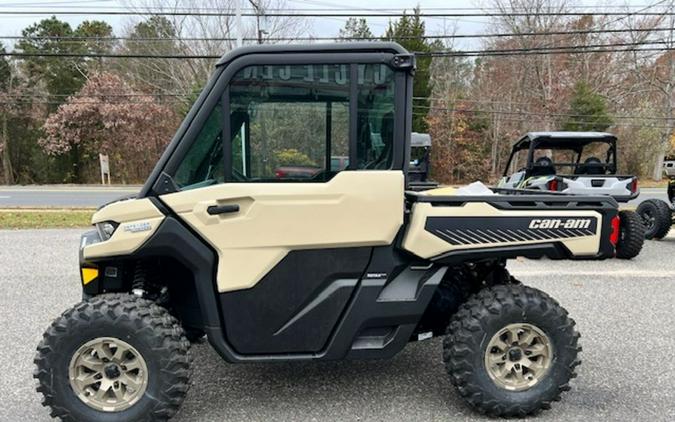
375, 127
203, 164
290, 122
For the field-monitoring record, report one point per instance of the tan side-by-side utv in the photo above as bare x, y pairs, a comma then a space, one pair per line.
279, 225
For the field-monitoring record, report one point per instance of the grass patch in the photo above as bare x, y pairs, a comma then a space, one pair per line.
649, 183
44, 219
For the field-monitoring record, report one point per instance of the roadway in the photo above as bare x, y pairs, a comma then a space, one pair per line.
93, 197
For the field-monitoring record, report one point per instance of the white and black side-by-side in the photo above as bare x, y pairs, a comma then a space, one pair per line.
279, 224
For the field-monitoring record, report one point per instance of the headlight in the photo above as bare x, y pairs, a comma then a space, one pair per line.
106, 229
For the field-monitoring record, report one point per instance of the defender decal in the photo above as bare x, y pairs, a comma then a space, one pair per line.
499, 230
137, 227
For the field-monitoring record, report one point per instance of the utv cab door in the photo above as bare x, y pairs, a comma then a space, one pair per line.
291, 170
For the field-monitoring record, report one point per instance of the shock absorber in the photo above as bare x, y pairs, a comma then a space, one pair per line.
138, 285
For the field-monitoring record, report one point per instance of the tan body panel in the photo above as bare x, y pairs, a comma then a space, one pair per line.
130, 214
353, 209
427, 245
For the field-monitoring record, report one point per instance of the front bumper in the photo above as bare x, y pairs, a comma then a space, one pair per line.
89, 272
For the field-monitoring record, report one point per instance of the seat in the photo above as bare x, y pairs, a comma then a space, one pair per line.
591, 166
383, 160
543, 166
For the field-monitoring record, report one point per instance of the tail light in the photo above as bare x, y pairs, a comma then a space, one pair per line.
634, 185
552, 185
614, 235
280, 174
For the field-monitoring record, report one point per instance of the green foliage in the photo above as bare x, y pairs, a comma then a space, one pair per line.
61, 77
154, 27
409, 31
190, 100
355, 28
5, 70
293, 157
588, 110
98, 29
154, 36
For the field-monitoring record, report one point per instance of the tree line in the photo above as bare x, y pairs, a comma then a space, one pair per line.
58, 113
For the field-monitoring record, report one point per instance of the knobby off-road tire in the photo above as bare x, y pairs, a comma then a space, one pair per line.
631, 235
131, 326
478, 324
656, 216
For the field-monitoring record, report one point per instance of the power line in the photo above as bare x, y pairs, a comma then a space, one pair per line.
563, 49
68, 4
526, 52
446, 36
290, 14
539, 113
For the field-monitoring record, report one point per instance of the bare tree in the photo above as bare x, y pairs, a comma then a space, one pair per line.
654, 74
215, 35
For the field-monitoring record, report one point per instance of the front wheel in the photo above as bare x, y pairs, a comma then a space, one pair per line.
511, 350
113, 357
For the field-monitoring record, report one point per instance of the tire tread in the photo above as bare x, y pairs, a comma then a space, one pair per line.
164, 330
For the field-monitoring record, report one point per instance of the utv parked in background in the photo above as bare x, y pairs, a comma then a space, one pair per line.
657, 215
346, 263
568, 162
579, 163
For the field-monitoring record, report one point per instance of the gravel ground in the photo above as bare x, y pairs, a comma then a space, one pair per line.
624, 311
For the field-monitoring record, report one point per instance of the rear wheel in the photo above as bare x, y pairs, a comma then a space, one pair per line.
511, 350
656, 217
631, 236
113, 357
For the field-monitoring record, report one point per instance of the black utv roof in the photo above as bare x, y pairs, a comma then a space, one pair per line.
562, 140
345, 47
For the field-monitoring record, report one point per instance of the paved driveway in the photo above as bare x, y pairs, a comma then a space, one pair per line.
624, 311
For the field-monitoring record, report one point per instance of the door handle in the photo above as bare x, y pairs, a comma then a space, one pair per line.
222, 209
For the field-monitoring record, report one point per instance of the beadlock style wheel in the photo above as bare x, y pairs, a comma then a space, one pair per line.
511, 351
108, 374
518, 356
113, 357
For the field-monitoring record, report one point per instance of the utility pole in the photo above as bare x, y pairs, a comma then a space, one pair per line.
259, 11
238, 22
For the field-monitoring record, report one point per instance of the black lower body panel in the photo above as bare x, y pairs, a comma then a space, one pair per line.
295, 307
323, 313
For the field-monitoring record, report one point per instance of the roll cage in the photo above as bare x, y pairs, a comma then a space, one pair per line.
576, 142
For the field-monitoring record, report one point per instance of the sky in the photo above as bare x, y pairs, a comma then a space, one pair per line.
12, 25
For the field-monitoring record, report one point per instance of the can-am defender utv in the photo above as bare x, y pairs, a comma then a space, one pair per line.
579, 163
343, 265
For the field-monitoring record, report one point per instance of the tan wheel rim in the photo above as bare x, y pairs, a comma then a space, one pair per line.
108, 374
518, 356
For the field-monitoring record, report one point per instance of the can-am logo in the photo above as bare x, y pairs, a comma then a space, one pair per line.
559, 223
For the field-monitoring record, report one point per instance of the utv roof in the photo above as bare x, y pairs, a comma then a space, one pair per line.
344, 47
420, 139
562, 140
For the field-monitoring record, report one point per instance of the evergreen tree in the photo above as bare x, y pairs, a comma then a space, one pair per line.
355, 30
61, 76
150, 74
409, 31
5, 70
588, 110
